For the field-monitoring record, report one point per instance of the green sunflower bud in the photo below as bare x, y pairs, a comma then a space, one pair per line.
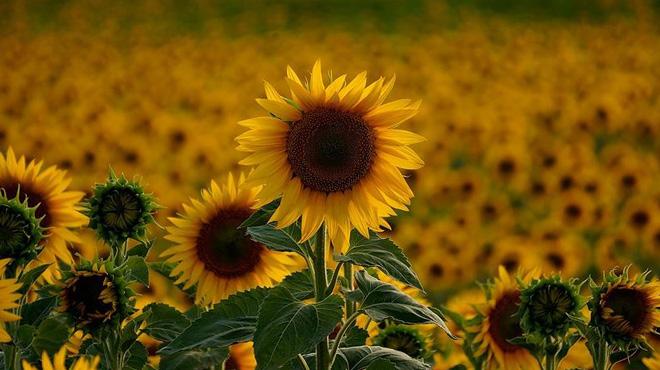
20, 230
404, 339
119, 210
547, 305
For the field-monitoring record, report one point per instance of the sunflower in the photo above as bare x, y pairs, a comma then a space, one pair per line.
625, 309
58, 362
8, 298
499, 323
55, 206
94, 296
241, 357
333, 153
213, 253
20, 233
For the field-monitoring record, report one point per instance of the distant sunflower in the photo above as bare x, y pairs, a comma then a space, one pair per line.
241, 357
626, 309
214, 254
45, 190
333, 153
59, 362
8, 300
499, 323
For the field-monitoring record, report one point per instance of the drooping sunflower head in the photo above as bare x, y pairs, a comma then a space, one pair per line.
626, 309
212, 252
8, 300
333, 153
499, 322
407, 339
20, 230
93, 296
241, 357
547, 305
45, 190
59, 362
119, 210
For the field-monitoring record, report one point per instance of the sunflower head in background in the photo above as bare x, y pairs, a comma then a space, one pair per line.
241, 357
411, 340
59, 362
45, 190
498, 322
333, 153
94, 295
8, 299
625, 309
547, 305
119, 210
212, 252
20, 231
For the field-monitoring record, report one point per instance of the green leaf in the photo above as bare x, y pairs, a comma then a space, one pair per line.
30, 277
35, 312
200, 359
137, 270
355, 337
381, 253
281, 240
384, 301
287, 326
230, 321
362, 357
262, 215
381, 364
136, 357
50, 336
164, 322
140, 250
299, 284
24, 336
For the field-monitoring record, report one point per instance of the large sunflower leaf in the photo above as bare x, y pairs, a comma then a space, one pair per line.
368, 357
281, 240
262, 215
287, 326
381, 253
231, 321
382, 301
195, 359
164, 322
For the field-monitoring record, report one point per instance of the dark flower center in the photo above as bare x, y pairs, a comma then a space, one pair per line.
504, 321
403, 341
15, 232
629, 310
84, 300
120, 210
330, 150
34, 199
549, 305
225, 249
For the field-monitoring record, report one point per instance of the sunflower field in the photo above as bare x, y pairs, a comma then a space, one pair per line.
338, 185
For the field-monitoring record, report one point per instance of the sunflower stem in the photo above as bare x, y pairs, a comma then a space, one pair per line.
321, 282
333, 280
335, 347
348, 275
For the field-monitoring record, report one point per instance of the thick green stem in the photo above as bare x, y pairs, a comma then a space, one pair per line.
321, 281
348, 275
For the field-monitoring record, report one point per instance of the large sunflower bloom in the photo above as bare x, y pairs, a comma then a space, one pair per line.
500, 323
213, 253
8, 298
45, 190
59, 362
333, 153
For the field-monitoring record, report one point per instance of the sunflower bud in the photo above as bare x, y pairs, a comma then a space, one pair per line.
625, 309
20, 231
94, 297
547, 305
406, 339
120, 210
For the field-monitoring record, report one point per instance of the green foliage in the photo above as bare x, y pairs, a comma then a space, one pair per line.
195, 359
164, 322
381, 253
287, 327
50, 335
137, 270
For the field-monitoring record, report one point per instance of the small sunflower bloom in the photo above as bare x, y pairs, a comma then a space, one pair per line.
626, 309
93, 297
212, 252
547, 305
333, 153
59, 362
119, 210
20, 230
8, 300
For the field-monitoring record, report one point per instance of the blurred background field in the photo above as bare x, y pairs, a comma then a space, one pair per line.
543, 121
